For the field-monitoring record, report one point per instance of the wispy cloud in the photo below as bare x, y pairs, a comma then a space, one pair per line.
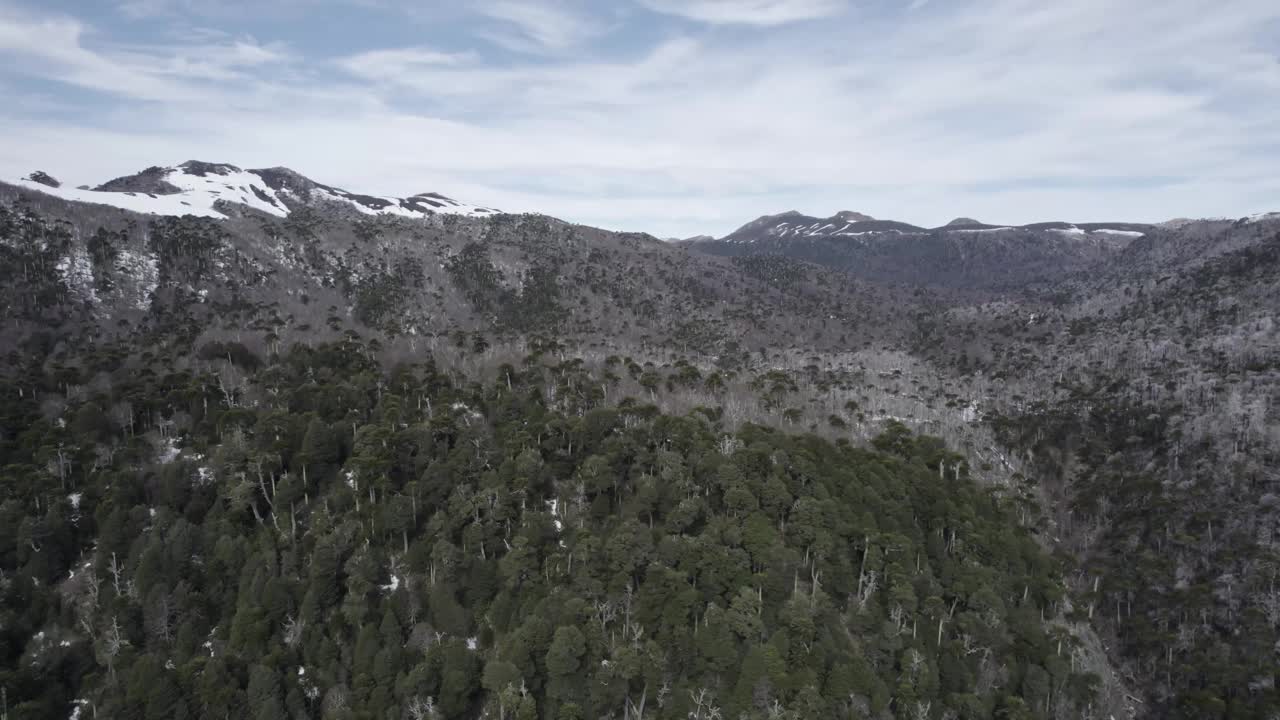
537, 25
400, 64
1005, 110
748, 12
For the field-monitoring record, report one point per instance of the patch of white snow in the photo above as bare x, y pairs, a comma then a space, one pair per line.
168, 452
1120, 233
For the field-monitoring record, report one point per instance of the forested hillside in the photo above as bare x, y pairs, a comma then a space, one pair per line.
335, 464
337, 540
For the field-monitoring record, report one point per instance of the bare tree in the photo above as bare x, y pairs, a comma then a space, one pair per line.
420, 708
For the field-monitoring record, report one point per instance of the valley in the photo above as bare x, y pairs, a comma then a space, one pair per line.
303, 452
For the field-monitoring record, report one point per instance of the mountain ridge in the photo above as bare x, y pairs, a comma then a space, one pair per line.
208, 189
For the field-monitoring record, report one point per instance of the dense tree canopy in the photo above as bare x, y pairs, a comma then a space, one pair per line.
339, 541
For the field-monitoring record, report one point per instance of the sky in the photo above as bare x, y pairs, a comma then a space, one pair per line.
673, 117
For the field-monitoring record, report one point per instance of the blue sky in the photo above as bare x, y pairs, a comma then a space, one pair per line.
675, 117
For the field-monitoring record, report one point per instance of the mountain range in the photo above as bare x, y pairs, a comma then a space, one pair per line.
198, 188
253, 354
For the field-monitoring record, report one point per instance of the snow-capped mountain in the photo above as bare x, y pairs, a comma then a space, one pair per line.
793, 226
964, 253
210, 189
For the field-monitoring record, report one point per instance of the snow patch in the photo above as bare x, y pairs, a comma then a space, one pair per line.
76, 271
147, 204
74, 499
201, 188
144, 269
168, 452
1119, 233
392, 586
235, 186
473, 643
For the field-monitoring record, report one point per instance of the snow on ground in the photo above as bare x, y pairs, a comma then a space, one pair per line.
1120, 233
144, 269
393, 585
182, 204
76, 270
74, 499
199, 193
1260, 217
168, 451
1073, 231
438, 204
235, 186
202, 186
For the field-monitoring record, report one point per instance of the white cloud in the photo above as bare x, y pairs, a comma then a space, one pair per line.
1006, 110
402, 63
537, 25
55, 48
748, 12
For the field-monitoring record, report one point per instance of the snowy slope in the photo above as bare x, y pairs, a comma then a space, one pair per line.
197, 188
137, 202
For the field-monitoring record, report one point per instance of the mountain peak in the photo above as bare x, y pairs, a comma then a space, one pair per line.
199, 168
209, 189
963, 221
765, 221
850, 216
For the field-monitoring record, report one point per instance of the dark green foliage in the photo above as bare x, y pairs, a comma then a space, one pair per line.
379, 297
30, 255
339, 549
533, 305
